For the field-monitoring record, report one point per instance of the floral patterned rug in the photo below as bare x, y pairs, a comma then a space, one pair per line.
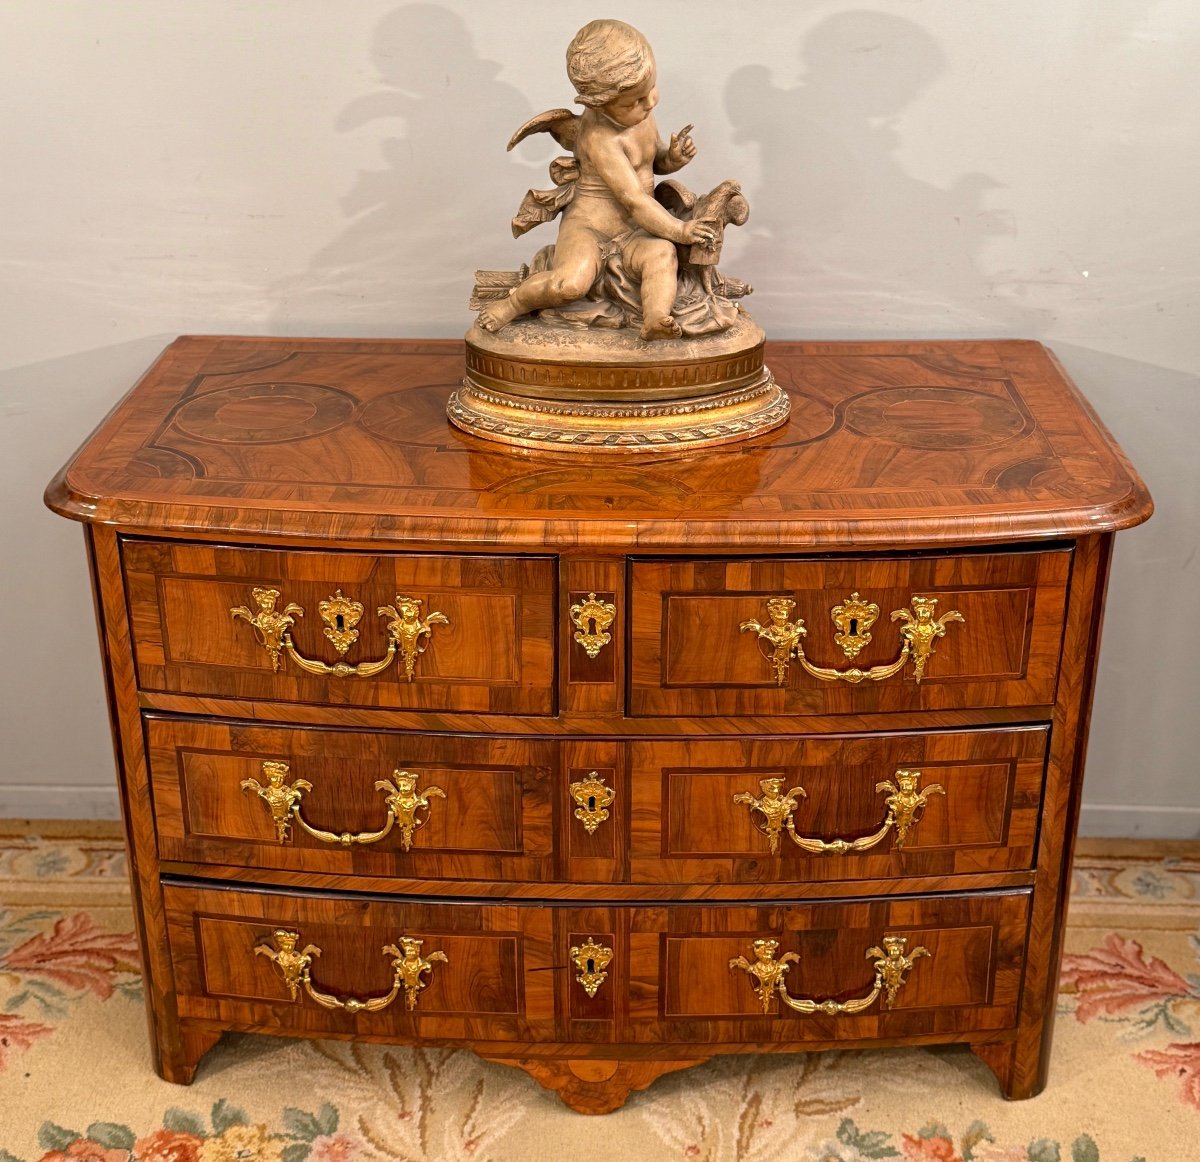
76, 1081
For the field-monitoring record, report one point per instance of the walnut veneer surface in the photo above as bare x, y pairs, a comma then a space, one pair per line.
607, 841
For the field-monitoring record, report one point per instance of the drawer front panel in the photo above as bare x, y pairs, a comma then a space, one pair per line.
235, 794
691, 656
683, 987
482, 987
482, 639
670, 974
708, 811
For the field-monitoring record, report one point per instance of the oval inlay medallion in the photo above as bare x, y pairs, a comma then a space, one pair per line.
265, 413
935, 417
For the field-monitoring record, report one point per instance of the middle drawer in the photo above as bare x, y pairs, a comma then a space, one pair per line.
677, 811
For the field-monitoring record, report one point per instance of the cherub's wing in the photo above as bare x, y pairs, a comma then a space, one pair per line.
561, 124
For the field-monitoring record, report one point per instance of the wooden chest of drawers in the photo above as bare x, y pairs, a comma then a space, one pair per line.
600, 767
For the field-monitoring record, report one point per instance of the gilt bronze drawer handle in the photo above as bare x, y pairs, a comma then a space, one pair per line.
270, 625
592, 796
408, 967
854, 617
591, 960
782, 635
775, 806
407, 632
905, 804
767, 974
404, 802
591, 619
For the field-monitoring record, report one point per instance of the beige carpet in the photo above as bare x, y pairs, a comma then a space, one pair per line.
76, 1082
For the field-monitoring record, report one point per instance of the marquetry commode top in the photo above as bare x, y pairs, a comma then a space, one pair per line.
601, 765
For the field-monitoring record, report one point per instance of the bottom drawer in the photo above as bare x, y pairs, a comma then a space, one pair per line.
934, 968
261, 959
926, 967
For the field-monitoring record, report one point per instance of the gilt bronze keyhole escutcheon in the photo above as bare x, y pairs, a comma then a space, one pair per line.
592, 798
591, 960
340, 616
853, 619
592, 618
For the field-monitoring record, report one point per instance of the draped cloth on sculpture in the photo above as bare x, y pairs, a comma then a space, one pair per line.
538, 206
615, 299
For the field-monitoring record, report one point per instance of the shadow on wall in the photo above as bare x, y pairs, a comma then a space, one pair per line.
1145, 731
841, 230
56, 763
407, 256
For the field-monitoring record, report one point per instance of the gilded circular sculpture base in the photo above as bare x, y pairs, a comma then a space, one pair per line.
693, 422
553, 387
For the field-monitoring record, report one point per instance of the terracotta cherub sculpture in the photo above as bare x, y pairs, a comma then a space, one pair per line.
617, 260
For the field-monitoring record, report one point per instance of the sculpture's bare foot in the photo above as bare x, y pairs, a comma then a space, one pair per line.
664, 328
498, 314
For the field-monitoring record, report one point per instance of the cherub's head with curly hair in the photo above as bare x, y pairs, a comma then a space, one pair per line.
605, 58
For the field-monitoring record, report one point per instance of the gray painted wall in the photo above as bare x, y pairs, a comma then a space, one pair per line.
915, 168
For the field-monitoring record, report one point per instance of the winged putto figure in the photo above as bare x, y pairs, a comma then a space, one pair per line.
628, 254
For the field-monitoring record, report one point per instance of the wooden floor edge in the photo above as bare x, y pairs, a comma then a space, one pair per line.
1136, 848
62, 828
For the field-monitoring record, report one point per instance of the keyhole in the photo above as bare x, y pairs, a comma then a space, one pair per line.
854, 627
341, 623
591, 965
591, 802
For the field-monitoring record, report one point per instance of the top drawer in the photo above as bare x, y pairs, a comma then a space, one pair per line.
344, 628
845, 636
